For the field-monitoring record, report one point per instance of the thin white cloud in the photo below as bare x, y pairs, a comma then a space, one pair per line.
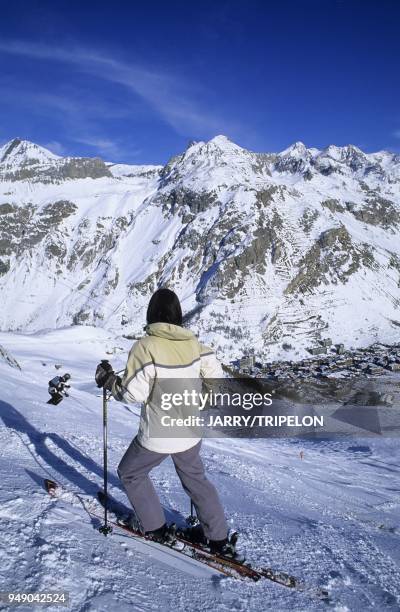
67, 102
55, 147
170, 96
396, 133
82, 119
111, 150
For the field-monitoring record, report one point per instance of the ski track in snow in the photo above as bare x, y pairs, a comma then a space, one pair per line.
331, 519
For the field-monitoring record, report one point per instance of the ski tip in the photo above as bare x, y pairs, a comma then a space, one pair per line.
50, 486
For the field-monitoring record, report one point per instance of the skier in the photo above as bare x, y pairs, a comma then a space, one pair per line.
57, 388
168, 350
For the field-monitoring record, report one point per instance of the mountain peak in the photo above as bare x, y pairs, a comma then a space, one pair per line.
297, 149
20, 151
225, 144
221, 141
8, 148
218, 147
342, 152
15, 142
299, 146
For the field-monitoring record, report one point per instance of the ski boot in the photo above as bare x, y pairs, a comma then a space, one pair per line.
166, 534
194, 534
130, 520
227, 548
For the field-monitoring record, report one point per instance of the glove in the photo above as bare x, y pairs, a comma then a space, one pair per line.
108, 385
104, 372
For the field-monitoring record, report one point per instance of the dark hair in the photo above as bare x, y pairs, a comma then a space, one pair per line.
164, 307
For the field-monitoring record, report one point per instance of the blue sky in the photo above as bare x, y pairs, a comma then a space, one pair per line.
134, 82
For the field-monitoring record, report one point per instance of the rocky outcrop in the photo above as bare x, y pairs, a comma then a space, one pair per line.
22, 160
6, 357
333, 258
186, 202
23, 228
378, 211
70, 169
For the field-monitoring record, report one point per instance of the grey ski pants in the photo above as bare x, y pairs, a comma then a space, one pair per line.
134, 469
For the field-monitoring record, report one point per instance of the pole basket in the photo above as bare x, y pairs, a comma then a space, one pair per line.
105, 529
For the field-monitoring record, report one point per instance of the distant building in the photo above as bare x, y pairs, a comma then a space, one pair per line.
247, 362
345, 361
317, 350
339, 348
375, 369
326, 342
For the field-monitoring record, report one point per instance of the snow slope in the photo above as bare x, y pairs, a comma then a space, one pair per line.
331, 518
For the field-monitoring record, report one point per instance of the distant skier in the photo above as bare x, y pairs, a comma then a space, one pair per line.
167, 351
57, 388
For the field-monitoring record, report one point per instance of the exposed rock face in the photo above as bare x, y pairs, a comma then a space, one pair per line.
21, 161
266, 250
8, 358
332, 259
23, 228
378, 211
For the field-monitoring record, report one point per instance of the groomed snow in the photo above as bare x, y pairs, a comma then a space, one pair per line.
331, 518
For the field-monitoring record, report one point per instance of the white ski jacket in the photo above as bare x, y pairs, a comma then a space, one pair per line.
167, 351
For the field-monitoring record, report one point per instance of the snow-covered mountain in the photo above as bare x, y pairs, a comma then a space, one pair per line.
267, 251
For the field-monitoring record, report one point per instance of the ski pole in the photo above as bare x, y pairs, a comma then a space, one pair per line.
105, 529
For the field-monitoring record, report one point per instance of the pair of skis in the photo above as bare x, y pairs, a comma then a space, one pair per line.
197, 552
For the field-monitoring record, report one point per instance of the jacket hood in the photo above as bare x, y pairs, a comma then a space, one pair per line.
169, 331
